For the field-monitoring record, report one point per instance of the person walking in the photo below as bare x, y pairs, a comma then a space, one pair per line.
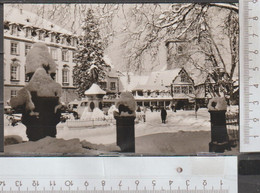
163, 115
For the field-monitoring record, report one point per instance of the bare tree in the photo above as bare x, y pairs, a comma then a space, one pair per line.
210, 31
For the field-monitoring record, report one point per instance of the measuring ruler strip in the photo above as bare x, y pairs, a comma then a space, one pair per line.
249, 75
119, 174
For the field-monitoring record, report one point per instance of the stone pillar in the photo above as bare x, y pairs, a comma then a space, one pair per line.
219, 136
125, 125
125, 133
38, 127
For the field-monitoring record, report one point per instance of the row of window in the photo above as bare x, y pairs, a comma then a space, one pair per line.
103, 85
41, 34
53, 51
183, 89
15, 74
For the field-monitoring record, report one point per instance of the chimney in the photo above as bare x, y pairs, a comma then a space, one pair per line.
21, 11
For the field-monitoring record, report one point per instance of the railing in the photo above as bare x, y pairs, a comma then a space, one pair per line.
90, 122
232, 121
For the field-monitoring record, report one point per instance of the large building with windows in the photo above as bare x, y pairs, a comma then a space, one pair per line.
21, 30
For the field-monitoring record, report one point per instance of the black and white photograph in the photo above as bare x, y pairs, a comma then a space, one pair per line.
141, 79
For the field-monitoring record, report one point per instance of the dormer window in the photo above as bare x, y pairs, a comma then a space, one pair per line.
53, 38
63, 40
74, 41
14, 29
28, 32
40, 34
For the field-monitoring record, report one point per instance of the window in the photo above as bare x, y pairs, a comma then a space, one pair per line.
63, 40
13, 93
14, 48
140, 93
72, 42
14, 30
74, 57
56, 75
65, 76
27, 48
64, 54
183, 78
14, 70
190, 89
14, 73
54, 54
28, 32
26, 77
177, 90
112, 85
103, 85
180, 49
41, 35
53, 38
184, 89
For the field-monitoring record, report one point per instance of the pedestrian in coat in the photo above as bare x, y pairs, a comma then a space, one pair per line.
163, 115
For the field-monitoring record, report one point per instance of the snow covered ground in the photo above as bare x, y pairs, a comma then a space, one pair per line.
179, 121
183, 133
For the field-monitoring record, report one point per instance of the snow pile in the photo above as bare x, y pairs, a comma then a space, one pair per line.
48, 145
126, 105
44, 85
86, 114
217, 104
54, 145
100, 147
39, 56
12, 139
111, 111
23, 98
97, 114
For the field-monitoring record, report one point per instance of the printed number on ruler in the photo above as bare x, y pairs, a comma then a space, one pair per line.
116, 185
249, 76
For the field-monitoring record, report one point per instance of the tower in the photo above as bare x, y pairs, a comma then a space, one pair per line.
177, 53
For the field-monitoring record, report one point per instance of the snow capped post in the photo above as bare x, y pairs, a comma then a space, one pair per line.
39, 99
219, 137
125, 128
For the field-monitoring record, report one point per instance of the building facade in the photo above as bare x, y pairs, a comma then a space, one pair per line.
165, 89
21, 30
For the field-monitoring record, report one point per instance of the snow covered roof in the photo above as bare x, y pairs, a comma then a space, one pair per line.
94, 89
134, 80
26, 18
158, 80
163, 78
113, 73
